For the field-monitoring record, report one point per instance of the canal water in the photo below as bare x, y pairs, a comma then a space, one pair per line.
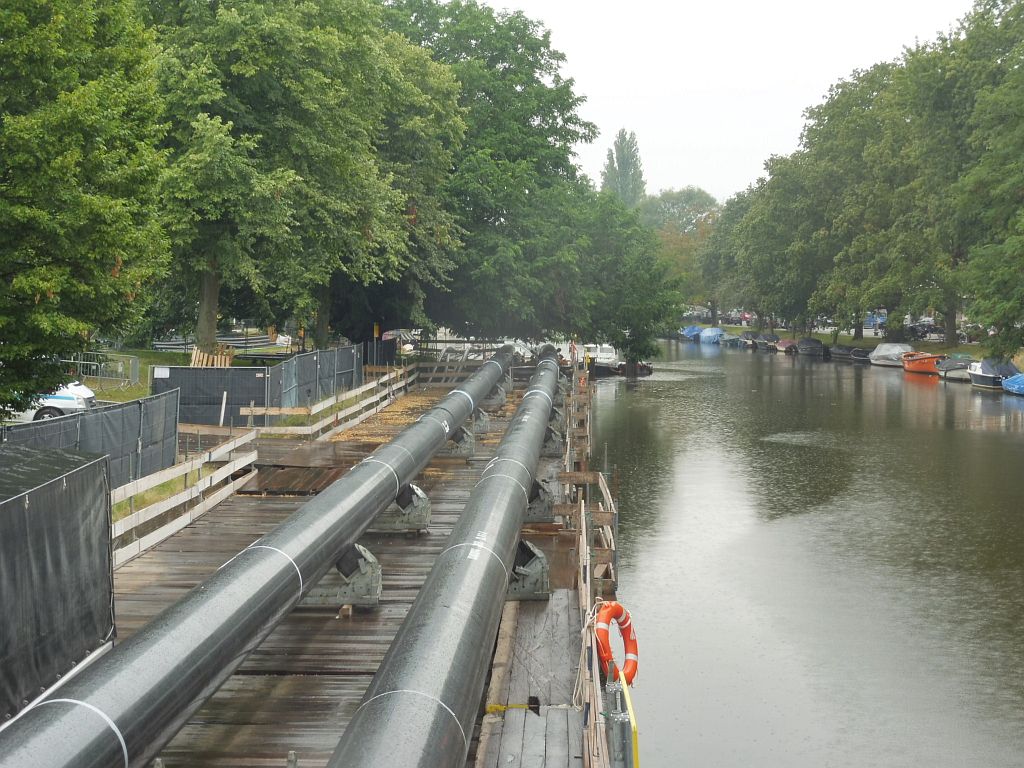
824, 562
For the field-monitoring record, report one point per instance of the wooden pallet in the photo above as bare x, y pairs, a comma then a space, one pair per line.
219, 358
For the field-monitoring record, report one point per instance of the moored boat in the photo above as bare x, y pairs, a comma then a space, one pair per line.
990, 372
922, 362
749, 339
730, 340
954, 369
691, 333
890, 355
1014, 384
813, 347
766, 342
787, 346
711, 335
859, 355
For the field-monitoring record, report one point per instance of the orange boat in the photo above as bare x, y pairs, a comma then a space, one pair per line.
922, 362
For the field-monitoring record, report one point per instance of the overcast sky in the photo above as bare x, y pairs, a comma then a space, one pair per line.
713, 88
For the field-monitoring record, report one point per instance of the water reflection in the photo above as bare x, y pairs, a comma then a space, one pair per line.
825, 560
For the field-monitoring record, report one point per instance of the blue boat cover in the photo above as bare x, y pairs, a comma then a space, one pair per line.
691, 331
1014, 384
711, 335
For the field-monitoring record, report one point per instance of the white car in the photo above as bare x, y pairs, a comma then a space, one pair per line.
71, 398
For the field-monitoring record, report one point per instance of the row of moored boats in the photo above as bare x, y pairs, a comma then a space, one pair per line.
989, 373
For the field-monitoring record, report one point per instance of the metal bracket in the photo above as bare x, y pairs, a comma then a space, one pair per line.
481, 421
557, 419
542, 501
496, 398
554, 444
461, 442
531, 575
356, 581
407, 513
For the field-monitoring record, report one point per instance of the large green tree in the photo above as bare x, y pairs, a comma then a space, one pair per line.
514, 179
79, 166
639, 296
623, 172
288, 100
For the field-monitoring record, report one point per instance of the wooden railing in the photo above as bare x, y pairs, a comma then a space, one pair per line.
382, 392
224, 454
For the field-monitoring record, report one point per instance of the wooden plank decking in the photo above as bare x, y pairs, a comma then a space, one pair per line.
298, 690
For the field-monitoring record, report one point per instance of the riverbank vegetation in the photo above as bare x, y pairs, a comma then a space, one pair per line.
905, 193
331, 164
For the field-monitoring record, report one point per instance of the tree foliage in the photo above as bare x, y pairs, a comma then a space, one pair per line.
903, 194
623, 172
80, 242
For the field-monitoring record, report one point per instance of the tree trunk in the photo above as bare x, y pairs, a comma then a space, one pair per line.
949, 316
209, 297
714, 317
322, 329
858, 328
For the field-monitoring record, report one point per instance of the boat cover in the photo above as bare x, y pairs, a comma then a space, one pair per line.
953, 364
1014, 384
691, 331
749, 336
769, 337
810, 342
711, 335
841, 350
890, 351
993, 366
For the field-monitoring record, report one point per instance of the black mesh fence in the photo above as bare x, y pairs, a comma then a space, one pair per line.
299, 382
140, 437
309, 378
56, 581
207, 393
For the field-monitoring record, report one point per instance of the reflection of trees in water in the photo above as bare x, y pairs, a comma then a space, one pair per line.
640, 439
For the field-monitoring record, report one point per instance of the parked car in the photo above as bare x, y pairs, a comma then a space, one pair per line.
71, 398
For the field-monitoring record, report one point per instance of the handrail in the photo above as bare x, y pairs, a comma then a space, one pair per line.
634, 733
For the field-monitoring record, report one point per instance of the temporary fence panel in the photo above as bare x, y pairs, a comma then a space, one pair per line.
140, 436
205, 392
299, 382
56, 581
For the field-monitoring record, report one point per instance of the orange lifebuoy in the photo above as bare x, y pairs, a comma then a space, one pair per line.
607, 613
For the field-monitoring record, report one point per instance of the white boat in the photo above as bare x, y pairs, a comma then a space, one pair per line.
890, 355
604, 359
990, 372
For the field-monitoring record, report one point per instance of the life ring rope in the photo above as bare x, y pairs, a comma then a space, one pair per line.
608, 612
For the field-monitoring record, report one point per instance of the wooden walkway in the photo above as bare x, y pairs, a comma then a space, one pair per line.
530, 720
298, 690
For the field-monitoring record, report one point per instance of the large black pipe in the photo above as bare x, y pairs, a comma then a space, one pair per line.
127, 705
422, 704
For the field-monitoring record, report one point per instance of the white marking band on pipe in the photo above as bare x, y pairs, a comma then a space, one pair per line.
437, 421
398, 481
284, 554
540, 392
426, 696
496, 459
472, 405
403, 448
548, 360
497, 474
110, 723
495, 362
476, 545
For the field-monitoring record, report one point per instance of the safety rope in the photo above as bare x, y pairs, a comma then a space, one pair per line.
588, 627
